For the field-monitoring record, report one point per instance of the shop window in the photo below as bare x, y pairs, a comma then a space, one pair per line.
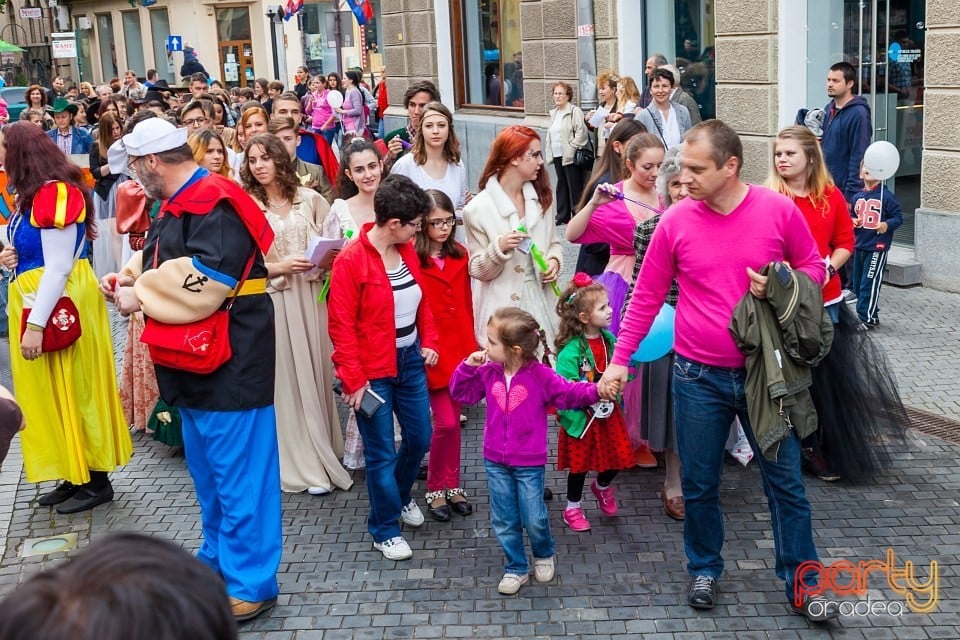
159, 30
488, 65
108, 47
133, 39
688, 42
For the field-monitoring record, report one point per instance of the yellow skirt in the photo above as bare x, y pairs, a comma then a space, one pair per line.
75, 421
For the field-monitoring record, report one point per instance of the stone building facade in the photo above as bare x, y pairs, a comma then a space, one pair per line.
770, 58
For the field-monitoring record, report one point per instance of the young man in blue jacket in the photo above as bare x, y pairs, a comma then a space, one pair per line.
847, 130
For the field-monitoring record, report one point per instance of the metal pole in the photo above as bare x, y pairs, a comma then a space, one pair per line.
587, 52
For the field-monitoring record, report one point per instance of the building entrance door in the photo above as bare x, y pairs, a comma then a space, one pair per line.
236, 63
884, 40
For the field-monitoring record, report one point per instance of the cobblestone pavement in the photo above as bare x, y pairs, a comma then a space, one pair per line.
625, 578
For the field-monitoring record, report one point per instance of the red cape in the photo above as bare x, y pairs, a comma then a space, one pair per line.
203, 195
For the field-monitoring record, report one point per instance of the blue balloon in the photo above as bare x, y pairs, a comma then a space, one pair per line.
659, 340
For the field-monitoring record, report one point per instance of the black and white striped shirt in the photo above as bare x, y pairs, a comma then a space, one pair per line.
406, 301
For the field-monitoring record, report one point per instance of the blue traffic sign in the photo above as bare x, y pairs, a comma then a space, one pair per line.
174, 43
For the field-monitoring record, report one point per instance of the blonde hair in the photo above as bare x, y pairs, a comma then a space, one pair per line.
816, 177
630, 91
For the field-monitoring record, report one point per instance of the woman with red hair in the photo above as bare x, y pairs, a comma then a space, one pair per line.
68, 391
510, 220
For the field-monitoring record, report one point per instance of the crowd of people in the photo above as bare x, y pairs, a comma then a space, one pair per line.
202, 227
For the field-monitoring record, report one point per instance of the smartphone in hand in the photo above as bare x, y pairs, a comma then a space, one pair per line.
370, 402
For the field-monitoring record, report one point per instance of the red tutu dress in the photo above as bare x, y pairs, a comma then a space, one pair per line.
605, 446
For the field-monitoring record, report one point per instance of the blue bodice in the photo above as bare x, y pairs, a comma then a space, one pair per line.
26, 240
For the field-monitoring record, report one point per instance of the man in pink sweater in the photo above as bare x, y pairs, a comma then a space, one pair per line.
714, 243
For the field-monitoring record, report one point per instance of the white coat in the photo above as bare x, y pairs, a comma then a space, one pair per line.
504, 279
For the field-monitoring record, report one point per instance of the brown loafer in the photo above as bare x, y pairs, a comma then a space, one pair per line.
673, 507
243, 610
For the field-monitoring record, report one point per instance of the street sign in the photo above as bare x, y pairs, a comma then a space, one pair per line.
31, 14
174, 43
64, 44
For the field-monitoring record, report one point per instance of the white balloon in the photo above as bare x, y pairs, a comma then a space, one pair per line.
335, 99
881, 160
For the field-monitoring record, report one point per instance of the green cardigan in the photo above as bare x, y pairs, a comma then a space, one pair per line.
569, 365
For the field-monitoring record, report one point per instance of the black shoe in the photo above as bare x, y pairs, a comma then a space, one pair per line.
816, 608
64, 491
702, 593
437, 506
547, 494
460, 506
813, 463
441, 513
422, 473
86, 498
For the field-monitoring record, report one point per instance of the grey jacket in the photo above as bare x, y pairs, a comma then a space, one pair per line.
782, 336
651, 118
682, 97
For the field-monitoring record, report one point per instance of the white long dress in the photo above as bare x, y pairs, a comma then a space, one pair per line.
308, 428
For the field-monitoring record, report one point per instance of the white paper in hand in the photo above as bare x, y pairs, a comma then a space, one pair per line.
321, 251
598, 117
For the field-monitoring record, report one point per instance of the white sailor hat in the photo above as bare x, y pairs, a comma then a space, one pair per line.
153, 135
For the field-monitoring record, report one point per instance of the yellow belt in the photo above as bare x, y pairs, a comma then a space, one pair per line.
251, 287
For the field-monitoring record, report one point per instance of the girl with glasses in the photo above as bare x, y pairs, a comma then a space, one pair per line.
446, 287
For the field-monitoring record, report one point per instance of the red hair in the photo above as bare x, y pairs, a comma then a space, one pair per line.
33, 159
512, 143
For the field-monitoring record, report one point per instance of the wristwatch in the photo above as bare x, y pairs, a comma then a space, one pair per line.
831, 270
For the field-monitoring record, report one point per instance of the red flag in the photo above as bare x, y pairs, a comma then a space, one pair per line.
367, 9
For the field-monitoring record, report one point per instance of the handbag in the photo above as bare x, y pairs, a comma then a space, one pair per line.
583, 157
63, 327
198, 347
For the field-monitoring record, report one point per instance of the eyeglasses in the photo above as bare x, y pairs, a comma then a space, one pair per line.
131, 165
416, 225
194, 122
443, 224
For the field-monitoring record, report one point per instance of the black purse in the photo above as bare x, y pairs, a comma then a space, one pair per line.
583, 157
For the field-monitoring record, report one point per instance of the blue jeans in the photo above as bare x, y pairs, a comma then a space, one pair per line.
392, 472
516, 503
705, 401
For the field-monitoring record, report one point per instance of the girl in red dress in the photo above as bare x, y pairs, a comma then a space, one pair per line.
595, 438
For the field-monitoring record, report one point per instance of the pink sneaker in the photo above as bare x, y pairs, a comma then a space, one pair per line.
576, 520
606, 498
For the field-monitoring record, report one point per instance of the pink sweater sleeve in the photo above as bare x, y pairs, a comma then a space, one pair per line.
653, 283
610, 223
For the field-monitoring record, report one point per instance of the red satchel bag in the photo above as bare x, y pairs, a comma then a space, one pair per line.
63, 326
199, 347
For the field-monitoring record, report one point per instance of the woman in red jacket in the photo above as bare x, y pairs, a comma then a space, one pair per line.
383, 335
856, 397
446, 282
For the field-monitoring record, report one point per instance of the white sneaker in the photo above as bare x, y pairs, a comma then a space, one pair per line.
544, 569
510, 583
394, 549
411, 514
318, 491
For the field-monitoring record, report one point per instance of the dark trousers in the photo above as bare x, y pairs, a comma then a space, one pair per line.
569, 188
